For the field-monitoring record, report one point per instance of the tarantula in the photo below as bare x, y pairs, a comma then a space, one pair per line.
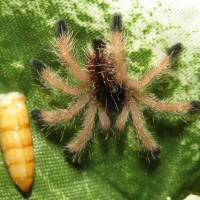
105, 87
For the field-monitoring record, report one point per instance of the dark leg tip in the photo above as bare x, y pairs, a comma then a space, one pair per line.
36, 115
116, 24
68, 154
151, 156
156, 153
98, 44
38, 65
195, 107
62, 28
71, 157
175, 50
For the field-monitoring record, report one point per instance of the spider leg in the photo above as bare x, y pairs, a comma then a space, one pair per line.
156, 71
64, 47
122, 118
144, 136
117, 47
150, 100
53, 117
75, 147
103, 118
53, 80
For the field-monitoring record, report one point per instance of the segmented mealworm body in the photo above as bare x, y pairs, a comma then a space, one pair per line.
16, 140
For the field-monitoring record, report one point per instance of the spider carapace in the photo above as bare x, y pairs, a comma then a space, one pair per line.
107, 89
105, 86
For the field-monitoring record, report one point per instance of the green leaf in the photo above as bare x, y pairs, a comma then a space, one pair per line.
116, 170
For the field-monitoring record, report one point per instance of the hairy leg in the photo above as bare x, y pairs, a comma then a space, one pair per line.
151, 101
64, 48
144, 136
52, 79
122, 118
156, 71
53, 117
103, 118
78, 143
117, 48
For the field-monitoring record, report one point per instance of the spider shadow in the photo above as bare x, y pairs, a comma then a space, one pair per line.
165, 127
82, 162
166, 131
112, 139
60, 135
57, 134
148, 162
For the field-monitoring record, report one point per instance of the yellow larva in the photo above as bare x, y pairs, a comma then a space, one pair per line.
16, 140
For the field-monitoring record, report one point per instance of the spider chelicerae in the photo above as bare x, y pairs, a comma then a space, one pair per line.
105, 87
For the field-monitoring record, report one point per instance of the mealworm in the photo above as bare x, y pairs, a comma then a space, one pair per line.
16, 140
